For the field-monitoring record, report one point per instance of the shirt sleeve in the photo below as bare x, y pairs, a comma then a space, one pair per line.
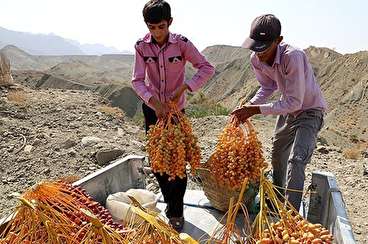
205, 69
293, 96
268, 86
139, 75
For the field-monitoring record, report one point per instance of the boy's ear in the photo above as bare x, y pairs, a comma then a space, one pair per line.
170, 21
279, 39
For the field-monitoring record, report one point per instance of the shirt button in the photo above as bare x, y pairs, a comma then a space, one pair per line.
162, 81
162, 66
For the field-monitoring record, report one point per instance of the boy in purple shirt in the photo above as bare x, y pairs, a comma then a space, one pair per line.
300, 110
158, 78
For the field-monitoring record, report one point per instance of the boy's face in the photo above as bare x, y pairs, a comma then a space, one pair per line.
268, 55
159, 31
265, 55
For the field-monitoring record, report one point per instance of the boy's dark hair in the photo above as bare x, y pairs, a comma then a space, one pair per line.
155, 11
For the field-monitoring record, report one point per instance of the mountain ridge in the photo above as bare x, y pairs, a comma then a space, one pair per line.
52, 44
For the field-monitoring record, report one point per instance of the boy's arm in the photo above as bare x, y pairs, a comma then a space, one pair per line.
138, 77
292, 98
295, 88
205, 69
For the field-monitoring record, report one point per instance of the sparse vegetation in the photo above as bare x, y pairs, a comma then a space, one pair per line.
112, 111
17, 97
200, 106
192, 111
199, 111
138, 119
355, 152
352, 153
354, 138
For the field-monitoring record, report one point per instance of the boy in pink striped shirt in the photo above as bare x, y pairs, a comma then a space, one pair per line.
158, 78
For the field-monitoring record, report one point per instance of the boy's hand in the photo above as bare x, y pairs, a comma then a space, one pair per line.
245, 112
160, 109
178, 93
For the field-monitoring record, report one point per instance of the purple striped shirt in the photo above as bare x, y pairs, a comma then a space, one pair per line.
291, 74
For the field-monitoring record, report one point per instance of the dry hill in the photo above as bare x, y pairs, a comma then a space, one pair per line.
343, 79
89, 69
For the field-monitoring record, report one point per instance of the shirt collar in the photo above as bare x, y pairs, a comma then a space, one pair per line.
148, 38
278, 56
172, 38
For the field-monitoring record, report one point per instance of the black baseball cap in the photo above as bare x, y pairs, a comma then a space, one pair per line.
264, 30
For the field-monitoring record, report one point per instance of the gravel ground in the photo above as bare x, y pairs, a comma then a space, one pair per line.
48, 134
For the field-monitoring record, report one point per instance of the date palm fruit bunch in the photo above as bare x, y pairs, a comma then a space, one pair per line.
172, 145
58, 212
278, 221
238, 155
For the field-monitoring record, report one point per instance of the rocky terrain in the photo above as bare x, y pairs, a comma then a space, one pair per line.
62, 120
119, 95
48, 134
343, 79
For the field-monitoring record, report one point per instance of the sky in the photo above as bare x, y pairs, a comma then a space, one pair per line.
337, 24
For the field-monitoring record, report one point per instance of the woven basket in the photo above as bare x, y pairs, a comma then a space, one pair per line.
219, 195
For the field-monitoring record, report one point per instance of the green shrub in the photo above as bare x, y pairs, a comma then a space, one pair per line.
203, 110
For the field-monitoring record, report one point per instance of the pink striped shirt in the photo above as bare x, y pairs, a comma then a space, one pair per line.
291, 74
159, 71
